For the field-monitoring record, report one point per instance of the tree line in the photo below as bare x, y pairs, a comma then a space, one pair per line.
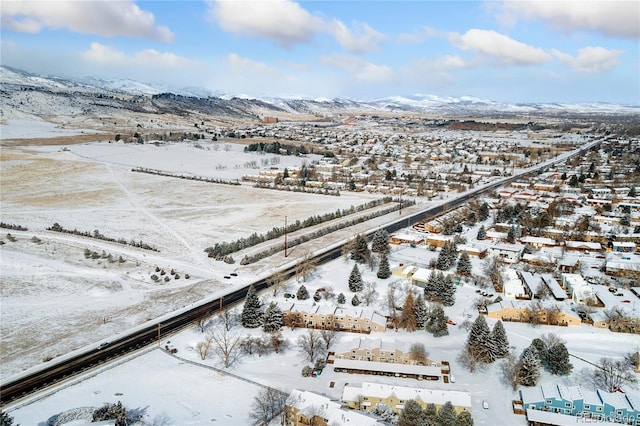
187, 177
56, 227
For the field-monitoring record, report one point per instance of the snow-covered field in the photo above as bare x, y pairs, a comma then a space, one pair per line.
55, 300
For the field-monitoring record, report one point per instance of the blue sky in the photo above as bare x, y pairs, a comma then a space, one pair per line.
508, 51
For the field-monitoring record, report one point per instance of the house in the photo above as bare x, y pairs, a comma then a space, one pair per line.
404, 271
353, 319
557, 291
538, 242
305, 408
422, 275
512, 285
480, 252
568, 264
582, 246
581, 292
405, 238
596, 405
379, 350
623, 246
437, 240
392, 369
623, 267
522, 311
368, 395
507, 253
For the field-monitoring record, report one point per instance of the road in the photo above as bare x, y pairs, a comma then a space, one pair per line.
53, 372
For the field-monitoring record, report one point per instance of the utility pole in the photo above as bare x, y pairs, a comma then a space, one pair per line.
285, 236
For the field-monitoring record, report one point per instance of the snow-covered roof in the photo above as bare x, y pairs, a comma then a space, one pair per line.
310, 404
554, 286
379, 390
590, 245
387, 367
538, 240
532, 280
423, 274
549, 418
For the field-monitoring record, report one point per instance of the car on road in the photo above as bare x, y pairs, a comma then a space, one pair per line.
626, 301
102, 345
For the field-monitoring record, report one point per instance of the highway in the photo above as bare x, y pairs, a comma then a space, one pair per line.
53, 371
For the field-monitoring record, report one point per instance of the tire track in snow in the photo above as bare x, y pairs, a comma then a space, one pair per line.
195, 253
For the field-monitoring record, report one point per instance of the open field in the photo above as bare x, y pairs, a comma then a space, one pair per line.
55, 300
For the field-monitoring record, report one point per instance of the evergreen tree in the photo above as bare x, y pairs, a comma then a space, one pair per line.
499, 341
443, 261
303, 293
437, 322
421, 313
355, 279
360, 250
355, 301
478, 344
511, 235
380, 241
482, 233
483, 214
558, 360
447, 291
431, 289
273, 319
447, 415
453, 253
251, 315
465, 419
341, 298
408, 318
529, 367
383, 268
430, 415
464, 265
411, 415
6, 419
541, 349
632, 192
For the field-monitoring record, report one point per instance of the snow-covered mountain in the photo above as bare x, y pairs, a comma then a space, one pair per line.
30, 94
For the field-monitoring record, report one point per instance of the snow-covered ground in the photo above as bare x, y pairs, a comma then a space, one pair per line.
55, 300
30, 129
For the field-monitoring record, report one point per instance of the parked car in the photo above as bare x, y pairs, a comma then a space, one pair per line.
450, 321
626, 301
485, 405
289, 296
452, 378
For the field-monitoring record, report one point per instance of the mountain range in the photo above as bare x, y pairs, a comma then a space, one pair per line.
26, 94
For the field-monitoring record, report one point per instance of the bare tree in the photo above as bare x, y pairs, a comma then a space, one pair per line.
228, 318
611, 375
278, 342
249, 344
293, 320
226, 344
202, 321
306, 267
551, 339
328, 336
392, 300
277, 281
311, 344
418, 353
510, 370
203, 348
369, 293
266, 405
535, 308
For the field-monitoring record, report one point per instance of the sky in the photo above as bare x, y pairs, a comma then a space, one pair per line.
507, 51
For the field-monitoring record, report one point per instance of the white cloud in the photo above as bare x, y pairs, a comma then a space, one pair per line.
287, 23
100, 17
361, 70
105, 55
366, 40
417, 36
590, 59
611, 18
492, 45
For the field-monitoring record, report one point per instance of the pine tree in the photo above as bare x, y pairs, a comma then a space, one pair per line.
251, 315
408, 318
430, 415
464, 265
360, 250
421, 313
431, 289
303, 293
411, 415
447, 415
465, 419
443, 262
355, 279
273, 319
437, 322
6, 419
341, 298
484, 211
380, 241
447, 291
511, 235
482, 233
541, 349
478, 344
529, 371
453, 253
499, 341
355, 301
558, 360
383, 268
